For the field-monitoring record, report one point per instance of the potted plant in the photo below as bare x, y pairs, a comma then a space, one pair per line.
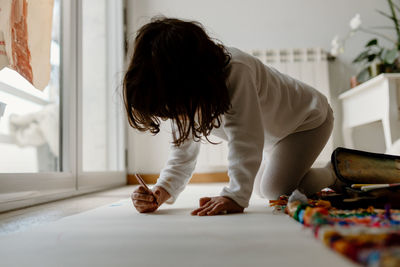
375, 58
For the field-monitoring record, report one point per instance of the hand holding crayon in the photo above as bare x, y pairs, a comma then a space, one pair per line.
146, 200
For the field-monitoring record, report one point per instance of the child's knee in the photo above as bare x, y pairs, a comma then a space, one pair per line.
274, 191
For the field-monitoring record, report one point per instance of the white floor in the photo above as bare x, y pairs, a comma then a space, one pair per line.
116, 235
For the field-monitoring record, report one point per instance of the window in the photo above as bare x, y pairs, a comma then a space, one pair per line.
101, 150
29, 128
82, 144
100, 94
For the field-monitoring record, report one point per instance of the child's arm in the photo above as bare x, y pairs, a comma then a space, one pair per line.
245, 131
179, 168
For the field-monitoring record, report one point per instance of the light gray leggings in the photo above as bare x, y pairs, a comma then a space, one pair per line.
287, 165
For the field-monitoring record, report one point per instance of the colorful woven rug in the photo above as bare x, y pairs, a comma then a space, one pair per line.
369, 236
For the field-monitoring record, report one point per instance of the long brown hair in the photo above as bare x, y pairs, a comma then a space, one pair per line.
176, 72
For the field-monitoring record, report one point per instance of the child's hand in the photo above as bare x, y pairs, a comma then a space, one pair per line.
217, 205
145, 201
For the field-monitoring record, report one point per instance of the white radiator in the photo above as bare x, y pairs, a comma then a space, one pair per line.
308, 65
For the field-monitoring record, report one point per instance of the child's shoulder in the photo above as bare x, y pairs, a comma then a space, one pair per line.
239, 56
243, 60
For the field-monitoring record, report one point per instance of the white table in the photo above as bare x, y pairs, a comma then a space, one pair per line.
375, 100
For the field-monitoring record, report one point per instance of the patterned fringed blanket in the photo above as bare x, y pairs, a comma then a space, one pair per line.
368, 236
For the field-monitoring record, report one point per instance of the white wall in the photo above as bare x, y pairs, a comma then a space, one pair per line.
268, 23
257, 24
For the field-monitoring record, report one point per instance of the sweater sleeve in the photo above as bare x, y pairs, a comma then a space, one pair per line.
179, 168
244, 129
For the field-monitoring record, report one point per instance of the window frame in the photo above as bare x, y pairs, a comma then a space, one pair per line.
71, 180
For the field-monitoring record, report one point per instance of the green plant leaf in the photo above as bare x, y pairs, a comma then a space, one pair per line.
372, 42
362, 56
371, 57
363, 75
391, 56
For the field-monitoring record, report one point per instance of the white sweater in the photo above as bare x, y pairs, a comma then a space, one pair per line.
266, 106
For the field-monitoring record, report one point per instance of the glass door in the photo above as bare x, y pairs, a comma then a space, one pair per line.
36, 125
29, 127
69, 138
102, 129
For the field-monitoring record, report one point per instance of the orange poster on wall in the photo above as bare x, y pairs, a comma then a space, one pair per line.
25, 38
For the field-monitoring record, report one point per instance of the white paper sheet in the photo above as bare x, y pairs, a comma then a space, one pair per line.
116, 235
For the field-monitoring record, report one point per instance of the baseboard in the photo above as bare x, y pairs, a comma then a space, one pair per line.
213, 177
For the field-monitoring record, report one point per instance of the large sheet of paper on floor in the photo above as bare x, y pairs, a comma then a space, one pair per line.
25, 38
116, 235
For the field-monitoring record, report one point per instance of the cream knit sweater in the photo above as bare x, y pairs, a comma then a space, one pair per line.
266, 106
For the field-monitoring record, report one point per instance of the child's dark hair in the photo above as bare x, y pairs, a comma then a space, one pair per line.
177, 72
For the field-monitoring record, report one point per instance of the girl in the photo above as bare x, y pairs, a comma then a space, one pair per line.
275, 125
